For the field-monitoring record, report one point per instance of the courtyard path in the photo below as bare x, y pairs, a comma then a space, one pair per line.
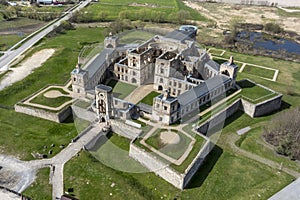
139, 93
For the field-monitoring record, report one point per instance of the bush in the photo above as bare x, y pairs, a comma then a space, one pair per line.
274, 28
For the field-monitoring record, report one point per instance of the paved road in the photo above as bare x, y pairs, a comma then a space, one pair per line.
12, 54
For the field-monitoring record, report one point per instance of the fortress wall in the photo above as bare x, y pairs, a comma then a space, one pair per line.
44, 114
156, 165
124, 130
219, 118
263, 108
197, 162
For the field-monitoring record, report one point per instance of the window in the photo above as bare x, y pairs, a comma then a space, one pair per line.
179, 85
165, 108
161, 80
174, 83
161, 70
133, 73
74, 79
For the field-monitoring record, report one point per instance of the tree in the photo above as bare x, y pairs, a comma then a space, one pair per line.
284, 133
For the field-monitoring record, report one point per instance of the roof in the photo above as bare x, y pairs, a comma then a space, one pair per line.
213, 65
179, 35
146, 108
104, 87
292, 191
203, 88
98, 61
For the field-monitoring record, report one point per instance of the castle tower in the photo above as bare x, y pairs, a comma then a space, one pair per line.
79, 79
111, 41
104, 102
229, 68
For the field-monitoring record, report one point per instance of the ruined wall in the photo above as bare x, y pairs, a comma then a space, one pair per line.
156, 165
44, 114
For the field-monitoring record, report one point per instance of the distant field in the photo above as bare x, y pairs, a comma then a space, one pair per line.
154, 8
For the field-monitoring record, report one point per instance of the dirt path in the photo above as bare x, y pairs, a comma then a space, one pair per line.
26, 67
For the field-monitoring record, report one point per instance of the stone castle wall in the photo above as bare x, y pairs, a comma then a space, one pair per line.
197, 162
263, 108
124, 130
154, 164
44, 114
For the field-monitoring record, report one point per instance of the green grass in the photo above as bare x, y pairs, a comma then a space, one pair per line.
149, 98
215, 52
253, 92
51, 102
23, 134
56, 70
165, 9
173, 150
115, 153
121, 89
257, 71
7, 41
40, 189
253, 142
232, 177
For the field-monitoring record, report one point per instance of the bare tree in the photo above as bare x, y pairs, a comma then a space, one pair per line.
284, 133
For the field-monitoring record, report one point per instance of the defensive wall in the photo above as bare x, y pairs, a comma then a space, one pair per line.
164, 170
59, 116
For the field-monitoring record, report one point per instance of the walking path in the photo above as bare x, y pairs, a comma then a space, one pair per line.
58, 161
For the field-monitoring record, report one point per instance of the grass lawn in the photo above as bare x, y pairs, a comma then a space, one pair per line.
257, 71
173, 150
51, 102
121, 89
40, 189
231, 177
149, 98
254, 92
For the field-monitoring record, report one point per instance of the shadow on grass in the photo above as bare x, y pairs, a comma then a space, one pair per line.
206, 168
245, 84
69, 120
